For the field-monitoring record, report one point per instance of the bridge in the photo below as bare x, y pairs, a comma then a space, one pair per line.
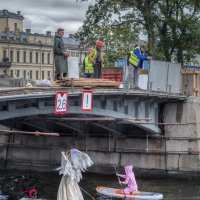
113, 111
156, 128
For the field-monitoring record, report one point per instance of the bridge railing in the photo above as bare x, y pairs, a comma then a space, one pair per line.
158, 76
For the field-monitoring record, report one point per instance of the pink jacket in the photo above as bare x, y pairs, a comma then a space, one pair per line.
130, 179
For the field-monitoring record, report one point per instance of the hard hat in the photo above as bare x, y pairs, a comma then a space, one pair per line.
99, 43
29, 85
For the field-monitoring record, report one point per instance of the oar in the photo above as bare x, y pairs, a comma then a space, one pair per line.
87, 193
119, 181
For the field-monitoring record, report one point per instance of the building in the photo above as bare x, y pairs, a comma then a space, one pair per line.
30, 54
73, 47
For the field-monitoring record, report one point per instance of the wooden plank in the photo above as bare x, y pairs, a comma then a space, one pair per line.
87, 83
189, 71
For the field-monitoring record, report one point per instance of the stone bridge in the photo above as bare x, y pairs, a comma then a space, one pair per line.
114, 111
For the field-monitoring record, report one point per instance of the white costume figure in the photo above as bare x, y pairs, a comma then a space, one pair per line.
72, 163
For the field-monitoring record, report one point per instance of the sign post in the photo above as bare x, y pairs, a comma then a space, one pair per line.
87, 97
61, 104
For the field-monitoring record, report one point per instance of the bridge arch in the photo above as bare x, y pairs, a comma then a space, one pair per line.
122, 107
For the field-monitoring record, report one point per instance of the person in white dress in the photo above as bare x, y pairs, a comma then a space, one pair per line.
73, 162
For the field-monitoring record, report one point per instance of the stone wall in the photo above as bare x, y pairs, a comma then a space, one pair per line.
183, 142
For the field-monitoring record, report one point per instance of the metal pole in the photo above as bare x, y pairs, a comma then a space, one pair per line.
30, 133
147, 147
109, 141
72, 85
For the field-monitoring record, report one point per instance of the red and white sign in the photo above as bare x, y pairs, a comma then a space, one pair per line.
87, 96
61, 105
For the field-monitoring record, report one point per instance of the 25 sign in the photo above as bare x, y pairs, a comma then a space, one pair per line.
61, 104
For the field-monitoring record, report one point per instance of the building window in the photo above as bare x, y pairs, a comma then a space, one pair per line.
48, 74
42, 58
11, 56
42, 74
24, 74
37, 75
36, 57
24, 56
18, 73
31, 74
48, 58
31, 57
4, 53
18, 56
11, 73
15, 26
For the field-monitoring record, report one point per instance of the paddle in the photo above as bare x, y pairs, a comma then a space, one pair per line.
119, 181
87, 193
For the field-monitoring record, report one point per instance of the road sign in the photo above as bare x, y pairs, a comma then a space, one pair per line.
61, 105
87, 96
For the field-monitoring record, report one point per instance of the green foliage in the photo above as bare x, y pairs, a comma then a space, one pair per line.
172, 27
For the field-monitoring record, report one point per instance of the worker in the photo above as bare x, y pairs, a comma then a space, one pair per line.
135, 63
88, 64
99, 59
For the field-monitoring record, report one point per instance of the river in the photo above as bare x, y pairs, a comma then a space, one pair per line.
13, 182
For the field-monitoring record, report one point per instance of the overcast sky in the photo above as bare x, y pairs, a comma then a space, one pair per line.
48, 15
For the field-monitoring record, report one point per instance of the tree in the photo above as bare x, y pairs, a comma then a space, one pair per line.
171, 26
118, 37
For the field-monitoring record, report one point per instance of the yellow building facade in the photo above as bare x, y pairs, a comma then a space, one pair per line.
31, 55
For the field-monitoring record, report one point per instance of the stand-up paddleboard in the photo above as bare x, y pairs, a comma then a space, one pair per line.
117, 193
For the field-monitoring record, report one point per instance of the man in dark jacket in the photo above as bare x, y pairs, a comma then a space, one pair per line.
99, 59
60, 54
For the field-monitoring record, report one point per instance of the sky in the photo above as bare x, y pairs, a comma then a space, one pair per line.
49, 15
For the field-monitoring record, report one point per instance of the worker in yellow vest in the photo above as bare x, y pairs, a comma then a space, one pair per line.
135, 63
88, 63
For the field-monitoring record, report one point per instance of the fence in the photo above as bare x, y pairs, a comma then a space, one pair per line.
164, 76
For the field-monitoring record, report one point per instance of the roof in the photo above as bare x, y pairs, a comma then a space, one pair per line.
71, 41
5, 13
19, 38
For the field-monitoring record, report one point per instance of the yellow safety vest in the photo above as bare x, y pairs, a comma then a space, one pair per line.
89, 68
133, 60
93, 56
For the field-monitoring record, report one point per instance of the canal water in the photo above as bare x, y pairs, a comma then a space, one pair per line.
13, 182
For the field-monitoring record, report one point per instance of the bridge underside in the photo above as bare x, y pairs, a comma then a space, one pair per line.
77, 125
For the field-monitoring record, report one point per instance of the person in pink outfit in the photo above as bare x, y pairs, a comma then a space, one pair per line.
129, 180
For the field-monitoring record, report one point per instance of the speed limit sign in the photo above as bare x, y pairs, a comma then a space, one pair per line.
61, 105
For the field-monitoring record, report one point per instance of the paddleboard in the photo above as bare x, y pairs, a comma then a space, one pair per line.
118, 193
